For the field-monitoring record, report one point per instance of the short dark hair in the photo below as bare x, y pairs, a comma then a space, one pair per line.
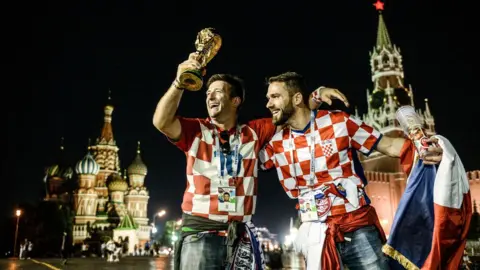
237, 88
294, 82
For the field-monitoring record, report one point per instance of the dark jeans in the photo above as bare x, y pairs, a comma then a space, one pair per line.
364, 251
203, 251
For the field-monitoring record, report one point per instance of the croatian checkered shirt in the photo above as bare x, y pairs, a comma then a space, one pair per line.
201, 194
337, 134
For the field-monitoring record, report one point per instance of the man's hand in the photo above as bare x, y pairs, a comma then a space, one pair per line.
434, 152
190, 64
325, 94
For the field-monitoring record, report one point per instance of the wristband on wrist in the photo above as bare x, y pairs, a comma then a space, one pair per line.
177, 85
316, 97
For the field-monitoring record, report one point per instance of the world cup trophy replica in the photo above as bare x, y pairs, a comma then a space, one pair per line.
208, 44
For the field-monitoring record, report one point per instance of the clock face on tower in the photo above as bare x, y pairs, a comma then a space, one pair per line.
377, 99
401, 97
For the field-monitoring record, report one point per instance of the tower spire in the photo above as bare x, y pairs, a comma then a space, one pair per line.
369, 99
138, 147
427, 109
383, 38
386, 67
106, 136
410, 94
62, 154
62, 143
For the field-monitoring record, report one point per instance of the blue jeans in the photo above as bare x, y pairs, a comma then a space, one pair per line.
203, 251
364, 251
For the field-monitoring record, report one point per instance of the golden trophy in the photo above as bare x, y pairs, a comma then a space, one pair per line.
207, 44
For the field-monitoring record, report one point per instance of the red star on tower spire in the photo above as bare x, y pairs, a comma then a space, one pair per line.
379, 5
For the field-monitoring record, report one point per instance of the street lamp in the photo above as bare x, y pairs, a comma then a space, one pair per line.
158, 214
18, 213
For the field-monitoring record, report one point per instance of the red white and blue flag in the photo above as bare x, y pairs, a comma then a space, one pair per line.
430, 226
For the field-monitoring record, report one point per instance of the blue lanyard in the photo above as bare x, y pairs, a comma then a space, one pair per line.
222, 168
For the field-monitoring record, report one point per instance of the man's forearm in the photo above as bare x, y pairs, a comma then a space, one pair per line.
167, 107
390, 146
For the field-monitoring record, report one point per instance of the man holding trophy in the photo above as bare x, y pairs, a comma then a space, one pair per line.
222, 155
316, 159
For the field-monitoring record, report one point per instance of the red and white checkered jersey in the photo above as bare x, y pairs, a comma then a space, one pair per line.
337, 134
201, 194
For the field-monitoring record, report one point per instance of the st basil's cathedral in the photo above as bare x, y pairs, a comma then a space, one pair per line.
103, 198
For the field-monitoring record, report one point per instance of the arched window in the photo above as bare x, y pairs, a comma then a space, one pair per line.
385, 59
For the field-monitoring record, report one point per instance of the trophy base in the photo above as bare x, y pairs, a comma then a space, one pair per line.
192, 80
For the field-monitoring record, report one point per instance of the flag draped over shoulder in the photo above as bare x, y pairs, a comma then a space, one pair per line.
433, 217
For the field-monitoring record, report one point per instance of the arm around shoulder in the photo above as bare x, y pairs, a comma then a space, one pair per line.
265, 129
390, 146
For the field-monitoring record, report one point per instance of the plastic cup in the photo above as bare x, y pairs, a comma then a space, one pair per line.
413, 128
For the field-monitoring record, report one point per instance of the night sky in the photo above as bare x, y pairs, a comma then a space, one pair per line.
66, 57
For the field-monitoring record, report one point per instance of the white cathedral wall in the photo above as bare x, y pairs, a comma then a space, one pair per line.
79, 233
143, 232
132, 238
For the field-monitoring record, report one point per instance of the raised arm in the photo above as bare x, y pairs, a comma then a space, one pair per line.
325, 94
164, 118
393, 147
390, 146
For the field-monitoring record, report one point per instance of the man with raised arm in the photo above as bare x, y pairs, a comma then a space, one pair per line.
222, 156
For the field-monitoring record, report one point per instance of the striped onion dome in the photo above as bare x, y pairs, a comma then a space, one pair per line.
118, 183
53, 170
87, 165
137, 166
59, 170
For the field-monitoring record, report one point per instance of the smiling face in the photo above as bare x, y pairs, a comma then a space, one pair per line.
279, 103
219, 104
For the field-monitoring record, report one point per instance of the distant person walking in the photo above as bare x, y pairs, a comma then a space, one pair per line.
64, 250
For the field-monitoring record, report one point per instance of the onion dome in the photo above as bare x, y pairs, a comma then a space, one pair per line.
52, 170
59, 170
87, 165
118, 184
137, 166
67, 173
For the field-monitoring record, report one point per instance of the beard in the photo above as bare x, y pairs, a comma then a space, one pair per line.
283, 116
